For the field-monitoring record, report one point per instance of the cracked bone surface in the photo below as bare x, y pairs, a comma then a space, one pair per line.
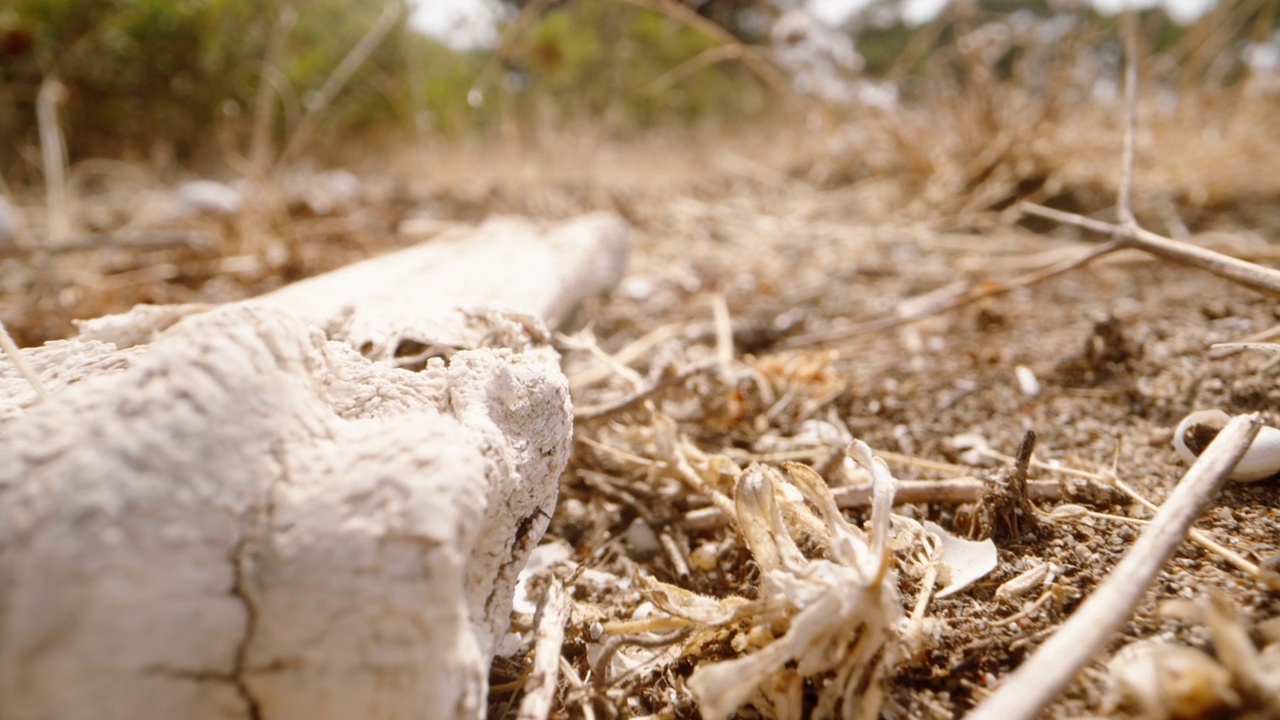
227, 513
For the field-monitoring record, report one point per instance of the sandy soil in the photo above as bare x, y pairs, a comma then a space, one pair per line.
1119, 351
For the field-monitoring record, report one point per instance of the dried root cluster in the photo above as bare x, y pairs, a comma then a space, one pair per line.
784, 608
738, 582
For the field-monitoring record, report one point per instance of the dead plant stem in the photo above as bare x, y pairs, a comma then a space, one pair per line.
1124, 203
624, 357
338, 80
513, 30
1198, 537
595, 413
53, 158
751, 57
264, 105
1035, 684
983, 292
724, 330
952, 491
706, 58
579, 693
617, 452
1258, 278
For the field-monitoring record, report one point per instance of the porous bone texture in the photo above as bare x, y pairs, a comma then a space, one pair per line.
231, 512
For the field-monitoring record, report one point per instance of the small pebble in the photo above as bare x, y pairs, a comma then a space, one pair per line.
1027, 381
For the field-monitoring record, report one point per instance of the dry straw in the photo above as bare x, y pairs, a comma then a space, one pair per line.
840, 610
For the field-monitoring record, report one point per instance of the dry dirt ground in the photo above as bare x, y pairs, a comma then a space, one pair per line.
1119, 352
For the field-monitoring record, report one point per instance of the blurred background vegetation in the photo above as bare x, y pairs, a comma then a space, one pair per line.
173, 82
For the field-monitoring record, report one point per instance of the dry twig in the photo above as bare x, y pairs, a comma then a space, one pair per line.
1030, 688
53, 158
145, 240
952, 491
264, 106
1124, 203
752, 57
338, 80
1258, 278
588, 414
724, 330
987, 290
1111, 480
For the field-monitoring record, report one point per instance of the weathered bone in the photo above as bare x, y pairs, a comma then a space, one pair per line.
226, 513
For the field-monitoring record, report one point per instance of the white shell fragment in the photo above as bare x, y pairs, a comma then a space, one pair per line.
207, 197
427, 295
968, 560
1199, 428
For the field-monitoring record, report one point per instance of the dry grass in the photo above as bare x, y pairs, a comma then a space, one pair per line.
748, 237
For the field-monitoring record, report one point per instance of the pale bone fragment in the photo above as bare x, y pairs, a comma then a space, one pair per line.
424, 297
1196, 430
139, 326
221, 514
244, 520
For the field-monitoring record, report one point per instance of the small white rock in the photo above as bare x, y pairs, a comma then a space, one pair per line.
641, 539
1027, 381
1196, 430
207, 197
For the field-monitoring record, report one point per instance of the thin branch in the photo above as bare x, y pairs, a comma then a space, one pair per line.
987, 290
579, 693
1221, 350
706, 58
338, 80
624, 357
595, 413
1035, 684
1124, 234
264, 104
1124, 204
53, 157
952, 491
1199, 537
100, 241
752, 57
1258, 278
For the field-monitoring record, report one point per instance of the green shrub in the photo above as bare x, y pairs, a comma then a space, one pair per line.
178, 78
